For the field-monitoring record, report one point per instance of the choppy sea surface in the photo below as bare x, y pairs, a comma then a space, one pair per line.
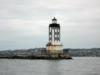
77, 66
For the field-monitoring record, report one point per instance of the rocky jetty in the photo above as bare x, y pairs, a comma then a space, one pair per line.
37, 53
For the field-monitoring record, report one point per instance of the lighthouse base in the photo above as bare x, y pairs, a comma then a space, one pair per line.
55, 51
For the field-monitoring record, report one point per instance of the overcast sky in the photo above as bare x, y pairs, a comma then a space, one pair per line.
24, 23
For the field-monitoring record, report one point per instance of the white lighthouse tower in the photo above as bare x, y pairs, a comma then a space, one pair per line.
54, 47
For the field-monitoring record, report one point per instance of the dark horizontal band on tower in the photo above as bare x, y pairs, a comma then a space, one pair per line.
54, 25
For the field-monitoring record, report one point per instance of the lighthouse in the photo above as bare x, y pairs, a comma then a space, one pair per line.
54, 46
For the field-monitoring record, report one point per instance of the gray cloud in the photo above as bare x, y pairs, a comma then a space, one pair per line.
24, 23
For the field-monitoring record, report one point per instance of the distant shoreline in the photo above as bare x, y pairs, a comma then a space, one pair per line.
40, 53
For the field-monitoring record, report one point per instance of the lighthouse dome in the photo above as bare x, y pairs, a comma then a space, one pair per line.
54, 23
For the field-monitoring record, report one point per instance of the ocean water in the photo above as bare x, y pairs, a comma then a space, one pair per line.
77, 66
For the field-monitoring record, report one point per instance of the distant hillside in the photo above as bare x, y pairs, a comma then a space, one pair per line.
93, 52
